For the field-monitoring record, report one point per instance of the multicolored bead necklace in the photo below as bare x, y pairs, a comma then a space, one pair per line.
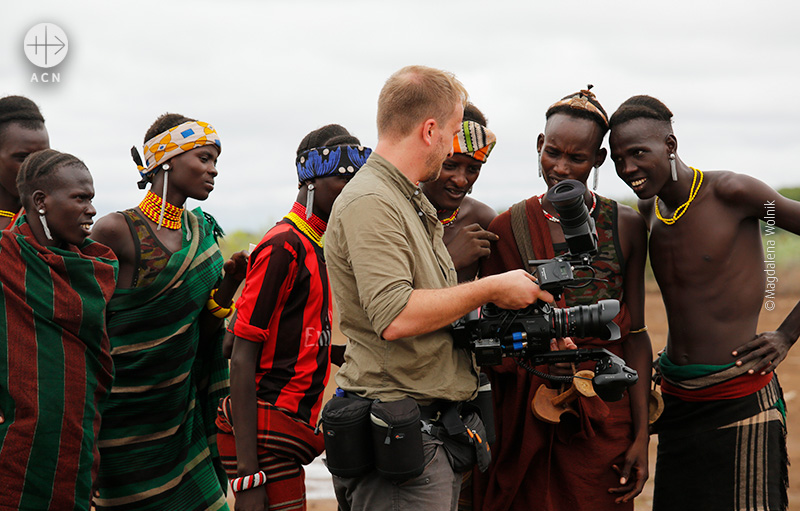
314, 227
683, 207
151, 208
7, 214
447, 222
555, 219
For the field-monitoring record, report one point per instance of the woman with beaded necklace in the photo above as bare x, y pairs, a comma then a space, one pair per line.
157, 440
534, 462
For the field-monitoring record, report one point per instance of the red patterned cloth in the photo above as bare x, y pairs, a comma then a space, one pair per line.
536, 465
284, 445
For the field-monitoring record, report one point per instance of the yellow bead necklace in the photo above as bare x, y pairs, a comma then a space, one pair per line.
683, 207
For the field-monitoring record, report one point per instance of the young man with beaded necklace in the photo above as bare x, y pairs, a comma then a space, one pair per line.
165, 324
464, 218
533, 465
707, 256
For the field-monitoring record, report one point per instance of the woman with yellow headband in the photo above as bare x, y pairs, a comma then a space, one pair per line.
157, 439
465, 219
597, 459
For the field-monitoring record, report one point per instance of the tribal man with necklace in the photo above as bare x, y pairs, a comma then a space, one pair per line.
464, 218
722, 434
158, 438
534, 461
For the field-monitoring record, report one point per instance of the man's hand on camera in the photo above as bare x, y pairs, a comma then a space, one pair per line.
517, 289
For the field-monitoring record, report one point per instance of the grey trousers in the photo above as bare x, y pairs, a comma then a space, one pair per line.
436, 489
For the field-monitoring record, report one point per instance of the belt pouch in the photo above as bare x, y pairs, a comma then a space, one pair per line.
469, 447
483, 405
397, 439
348, 444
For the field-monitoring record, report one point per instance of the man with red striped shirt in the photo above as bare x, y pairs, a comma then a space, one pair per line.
282, 331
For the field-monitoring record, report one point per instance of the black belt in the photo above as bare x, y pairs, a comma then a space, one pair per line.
445, 413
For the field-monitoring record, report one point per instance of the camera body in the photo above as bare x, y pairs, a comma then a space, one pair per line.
492, 333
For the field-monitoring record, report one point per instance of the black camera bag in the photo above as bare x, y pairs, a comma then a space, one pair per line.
397, 439
348, 443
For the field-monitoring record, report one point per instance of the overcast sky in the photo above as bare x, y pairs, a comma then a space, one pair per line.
265, 73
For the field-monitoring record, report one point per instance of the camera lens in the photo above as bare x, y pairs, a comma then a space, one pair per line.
567, 198
587, 321
577, 224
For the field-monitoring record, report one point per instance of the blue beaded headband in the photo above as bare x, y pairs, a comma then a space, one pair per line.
331, 161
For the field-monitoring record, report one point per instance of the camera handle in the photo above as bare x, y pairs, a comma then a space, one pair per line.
611, 378
549, 404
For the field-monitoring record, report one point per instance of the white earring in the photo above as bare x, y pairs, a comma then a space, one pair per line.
596, 177
163, 197
540, 164
310, 201
44, 225
673, 167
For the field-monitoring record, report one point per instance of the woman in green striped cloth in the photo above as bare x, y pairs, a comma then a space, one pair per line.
157, 440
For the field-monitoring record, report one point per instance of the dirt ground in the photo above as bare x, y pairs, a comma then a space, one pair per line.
789, 372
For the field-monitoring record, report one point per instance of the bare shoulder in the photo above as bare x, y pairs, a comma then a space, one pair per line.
646, 207
478, 212
632, 229
629, 218
729, 186
112, 230
744, 193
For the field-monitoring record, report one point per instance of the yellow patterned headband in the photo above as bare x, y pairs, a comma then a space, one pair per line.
180, 139
474, 140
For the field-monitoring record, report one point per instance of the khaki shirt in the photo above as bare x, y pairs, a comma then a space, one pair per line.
383, 241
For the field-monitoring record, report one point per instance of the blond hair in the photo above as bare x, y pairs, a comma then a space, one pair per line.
414, 94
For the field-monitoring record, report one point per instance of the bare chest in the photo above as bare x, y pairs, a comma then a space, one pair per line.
709, 243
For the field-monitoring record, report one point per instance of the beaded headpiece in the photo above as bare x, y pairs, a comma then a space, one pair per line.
331, 161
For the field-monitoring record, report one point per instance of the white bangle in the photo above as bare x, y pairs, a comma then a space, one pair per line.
247, 482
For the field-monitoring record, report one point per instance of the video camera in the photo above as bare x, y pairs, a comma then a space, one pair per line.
494, 333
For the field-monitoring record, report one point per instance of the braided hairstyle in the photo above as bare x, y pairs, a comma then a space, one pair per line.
19, 110
581, 113
638, 107
38, 170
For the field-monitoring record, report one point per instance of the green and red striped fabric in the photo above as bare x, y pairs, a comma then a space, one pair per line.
55, 369
158, 440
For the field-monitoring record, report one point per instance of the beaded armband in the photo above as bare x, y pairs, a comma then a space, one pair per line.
247, 482
216, 309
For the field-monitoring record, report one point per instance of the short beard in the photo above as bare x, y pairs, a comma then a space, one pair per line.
433, 166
